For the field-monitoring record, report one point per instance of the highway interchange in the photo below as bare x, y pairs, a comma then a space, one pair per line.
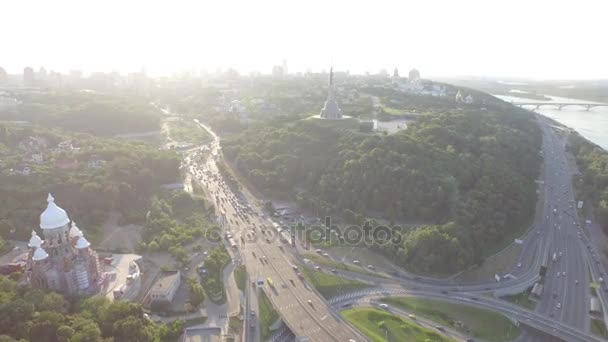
561, 311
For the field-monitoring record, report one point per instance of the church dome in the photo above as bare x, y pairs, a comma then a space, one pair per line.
53, 217
75, 231
35, 240
40, 254
82, 243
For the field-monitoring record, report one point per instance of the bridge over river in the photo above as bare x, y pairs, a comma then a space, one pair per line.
560, 105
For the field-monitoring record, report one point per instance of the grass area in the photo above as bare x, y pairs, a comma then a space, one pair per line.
380, 326
480, 323
522, 300
194, 321
240, 276
394, 111
187, 131
235, 327
598, 328
267, 315
330, 285
340, 265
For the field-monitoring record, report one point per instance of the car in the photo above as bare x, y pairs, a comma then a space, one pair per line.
317, 268
252, 312
559, 305
576, 282
309, 302
564, 274
383, 306
440, 328
558, 274
356, 262
560, 254
371, 267
319, 251
333, 270
411, 316
519, 264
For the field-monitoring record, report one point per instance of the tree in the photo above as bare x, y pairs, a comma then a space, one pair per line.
197, 294
53, 302
64, 333
131, 329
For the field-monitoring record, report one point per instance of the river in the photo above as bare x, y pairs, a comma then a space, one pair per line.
592, 124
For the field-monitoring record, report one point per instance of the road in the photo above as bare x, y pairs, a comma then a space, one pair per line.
302, 310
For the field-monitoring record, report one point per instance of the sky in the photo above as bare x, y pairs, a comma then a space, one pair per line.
540, 39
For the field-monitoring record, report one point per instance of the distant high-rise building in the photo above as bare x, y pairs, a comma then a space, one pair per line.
330, 109
414, 75
396, 73
3, 75
285, 71
28, 77
277, 71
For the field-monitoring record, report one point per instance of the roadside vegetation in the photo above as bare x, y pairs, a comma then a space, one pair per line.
213, 282
174, 219
268, 315
522, 300
381, 326
240, 277
479, 323
330, 285
598, 328
592, 162
235, 327
183, 130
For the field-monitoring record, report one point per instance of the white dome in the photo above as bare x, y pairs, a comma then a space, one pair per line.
35, 240
40, 254
82, 243
75, 231
53, 217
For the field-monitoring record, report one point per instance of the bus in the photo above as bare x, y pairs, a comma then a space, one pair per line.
269, 281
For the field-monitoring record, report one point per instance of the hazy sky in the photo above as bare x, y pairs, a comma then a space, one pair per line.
528, 38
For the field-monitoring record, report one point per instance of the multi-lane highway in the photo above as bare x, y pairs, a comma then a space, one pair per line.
268, 264
562, 309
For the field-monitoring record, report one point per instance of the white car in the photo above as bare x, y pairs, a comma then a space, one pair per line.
356, 262
519, 264
384, 306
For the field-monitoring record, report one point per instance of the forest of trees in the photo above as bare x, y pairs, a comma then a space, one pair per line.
28, 314
132, 174
468, 173
592, 162
87, 112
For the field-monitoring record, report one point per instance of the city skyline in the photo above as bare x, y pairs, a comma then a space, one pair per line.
550, 40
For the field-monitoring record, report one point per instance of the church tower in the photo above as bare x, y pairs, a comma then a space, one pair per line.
63, 261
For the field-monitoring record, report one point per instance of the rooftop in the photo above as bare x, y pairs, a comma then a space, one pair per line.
165, 281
